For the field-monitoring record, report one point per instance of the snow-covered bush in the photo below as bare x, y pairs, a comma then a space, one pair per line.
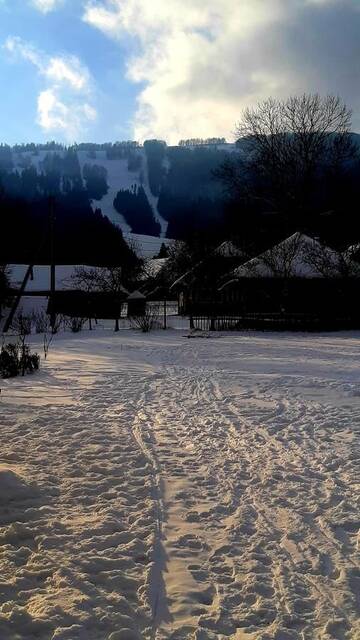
148, 321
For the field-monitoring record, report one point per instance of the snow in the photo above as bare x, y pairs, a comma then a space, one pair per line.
228, 250
146, 246
136, 295
154, 266
118, 177
153, 200
40, 281
297, 256
161, 487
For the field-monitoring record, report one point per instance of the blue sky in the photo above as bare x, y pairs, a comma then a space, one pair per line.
62, 33
105, 70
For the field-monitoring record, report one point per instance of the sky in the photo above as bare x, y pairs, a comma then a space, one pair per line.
106, 70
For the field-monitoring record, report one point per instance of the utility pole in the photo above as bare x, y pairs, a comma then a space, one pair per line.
165, 314
16, 303
52, 263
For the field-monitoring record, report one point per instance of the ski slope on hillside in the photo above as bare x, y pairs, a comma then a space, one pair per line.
118, 177
156, 487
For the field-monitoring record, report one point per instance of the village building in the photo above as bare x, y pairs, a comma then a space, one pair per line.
69, 298
198, 288
296, 277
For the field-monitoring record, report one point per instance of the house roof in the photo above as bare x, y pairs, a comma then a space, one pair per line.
352, 252
227, 250
298, 256
154, 266
136, 295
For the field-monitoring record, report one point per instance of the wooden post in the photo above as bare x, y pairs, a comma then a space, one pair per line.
11, 316
52, 265
165, 317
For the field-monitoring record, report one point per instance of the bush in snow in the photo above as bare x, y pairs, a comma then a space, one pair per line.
150, 320
76, 324
16, 359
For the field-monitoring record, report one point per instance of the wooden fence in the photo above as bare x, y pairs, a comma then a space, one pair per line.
274, 322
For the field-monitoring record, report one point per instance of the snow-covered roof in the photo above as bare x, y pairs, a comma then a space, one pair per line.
298, 256
229, 250
40, 279
351, 251
136, 295
225, 250
184, 277
154, 266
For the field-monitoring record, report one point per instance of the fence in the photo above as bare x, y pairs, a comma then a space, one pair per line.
275, 322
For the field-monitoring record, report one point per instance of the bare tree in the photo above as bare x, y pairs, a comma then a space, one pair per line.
106, 279
286, 143
279, 261
101, 279
301, 256
149, 320
22, 327
332, 263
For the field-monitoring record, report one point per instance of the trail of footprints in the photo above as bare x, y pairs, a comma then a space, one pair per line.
256, 554
77, 562
268, 503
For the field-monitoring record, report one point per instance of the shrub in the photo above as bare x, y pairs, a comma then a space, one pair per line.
76, 324
16, 359
150, 320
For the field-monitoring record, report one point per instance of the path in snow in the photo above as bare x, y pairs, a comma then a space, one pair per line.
209, 486
77, 529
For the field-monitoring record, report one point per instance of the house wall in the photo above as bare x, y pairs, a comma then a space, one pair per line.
332, 297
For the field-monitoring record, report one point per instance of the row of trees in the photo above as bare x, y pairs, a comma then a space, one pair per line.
297, 169
200, 142
82, 236
136, 209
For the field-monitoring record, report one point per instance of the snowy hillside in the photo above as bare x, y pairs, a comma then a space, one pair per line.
151, 194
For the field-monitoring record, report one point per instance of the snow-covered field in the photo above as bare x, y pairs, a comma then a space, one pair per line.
161, 487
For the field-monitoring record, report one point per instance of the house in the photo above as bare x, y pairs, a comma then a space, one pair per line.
198, 288
297, 276
69, 299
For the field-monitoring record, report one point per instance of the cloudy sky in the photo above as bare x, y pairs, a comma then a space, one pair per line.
104, 70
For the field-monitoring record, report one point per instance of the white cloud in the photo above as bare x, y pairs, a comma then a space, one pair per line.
55, 115
63, 105
203, 61
66, 70
45, 6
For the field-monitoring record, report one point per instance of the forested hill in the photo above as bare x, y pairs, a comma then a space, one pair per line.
153, 190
